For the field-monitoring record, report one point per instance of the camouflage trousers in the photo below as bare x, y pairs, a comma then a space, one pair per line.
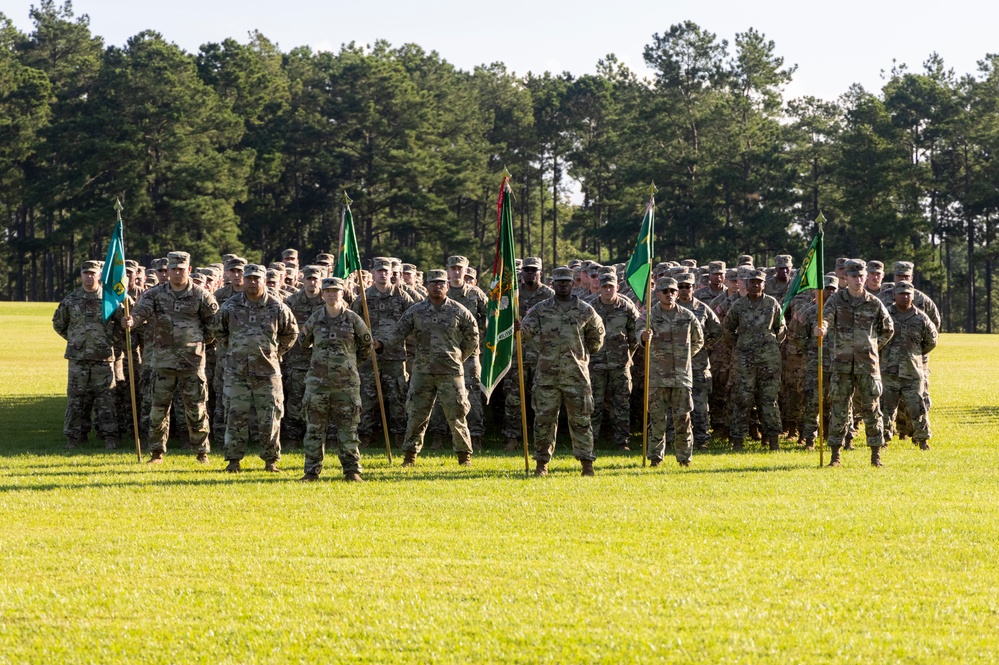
912, 393
123, 395
810, 422
249, 396
548, 400
678, 403
193, 389
700, 417
293, 425
791, 397
340, 406
476, 414
219, 410
512, 425
866, 390
144, 397
721, 385
90, 388
754, 383
425, 390
394, 381
612, 394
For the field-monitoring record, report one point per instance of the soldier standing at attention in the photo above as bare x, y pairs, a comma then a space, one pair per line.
90, 352
859, 326
756, 325
295, 364
338, 341
610, 366
181, 315
675, 337
568, 331
258, 329
234, 285
700, 361
446, 336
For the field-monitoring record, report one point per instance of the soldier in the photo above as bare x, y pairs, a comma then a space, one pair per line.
757, 328
161, 267
700, 361
801, 333
777, 286
446, 337
716, 283
295, 363
338, 341
721, 359
902, 366
859, 328
180, 316
531, 292
568, 331
610, 366
409, 279
234, 285
289, 258
257, 329
386, 304
674, 336
90, 351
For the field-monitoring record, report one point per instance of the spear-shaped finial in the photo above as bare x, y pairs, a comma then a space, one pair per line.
653, 189
506, 173
346, 200
820, 220
118, 207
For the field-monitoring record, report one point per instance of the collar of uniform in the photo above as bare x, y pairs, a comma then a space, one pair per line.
181, 294
260, 302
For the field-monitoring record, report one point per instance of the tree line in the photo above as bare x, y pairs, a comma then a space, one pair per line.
242, 147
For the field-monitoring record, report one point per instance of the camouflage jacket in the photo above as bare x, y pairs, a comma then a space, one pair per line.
77, 319
567, 333
887, 296
256, 334
757, 328
473, 299
712, 332
445, 336
801, 334
860, 328
707, 294
776, 290
676, 338
412, 292
302, 306
384, 311
527, 300
224, 293
180, 325
336, 344
915, 336
619, 319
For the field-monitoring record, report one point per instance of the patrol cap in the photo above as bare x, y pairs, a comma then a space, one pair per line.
235, 263
90, 266
332, 283
533, 262
745, 272
608, 278
518, 263
731, 274
197, 278
689, 263
131, 265
178, 260
272, 274
471, 272
575, 263
855, 267
831, 281
456, 260
562, 274
159, 264
408, 268
783, 261
585, 265
664, 283
290, 254
226, 257
291, 271
219, 267
904, 267
841, 263
254, 270
716, 267
436, 276
594, 269
757, 274
381, 263
325, 258
276, 265
150, 273
744, 260
903, 287
685, 278
875, 266
396, 264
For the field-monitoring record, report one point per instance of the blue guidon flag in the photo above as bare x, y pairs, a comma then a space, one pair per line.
113, 279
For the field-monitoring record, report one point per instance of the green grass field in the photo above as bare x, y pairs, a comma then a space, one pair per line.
741, 558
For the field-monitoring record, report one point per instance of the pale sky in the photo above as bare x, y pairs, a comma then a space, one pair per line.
834, 44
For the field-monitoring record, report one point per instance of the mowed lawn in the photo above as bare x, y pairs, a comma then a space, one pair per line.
741, 558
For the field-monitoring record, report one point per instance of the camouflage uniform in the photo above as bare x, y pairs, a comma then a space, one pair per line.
90, 352
256, 335
858, 327
218, 379
338, 344
676, 337
512, 424
446, 337
902, 370
178, 328
610, 367
294, 368
721, 356
385, 310
567, 333
801, 333
757, 328
701, 369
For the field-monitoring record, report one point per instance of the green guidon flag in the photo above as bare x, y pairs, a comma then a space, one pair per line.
113, 278
810, 276
640, 265
497, 356
348, 260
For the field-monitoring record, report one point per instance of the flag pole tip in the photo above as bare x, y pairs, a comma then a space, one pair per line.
506, 173
653, 189
346, 199
117, 205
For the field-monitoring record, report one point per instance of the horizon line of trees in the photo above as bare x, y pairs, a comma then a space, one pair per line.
243, 148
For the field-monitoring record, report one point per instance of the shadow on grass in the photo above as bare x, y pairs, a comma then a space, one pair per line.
969, 415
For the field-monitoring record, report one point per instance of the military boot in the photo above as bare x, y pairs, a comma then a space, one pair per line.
512, 445
367, 440
202, 458
272, 467
410, 459
834, 458
464, 458
754, 432
655, 462
737, 444
309, 478
924, 445
400, 438
876, 456
772, 442
587, 467
848, 442
233, 467
809, 444
110, 444
541, 470
155, 457
476, 444
438, 443
353, 477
